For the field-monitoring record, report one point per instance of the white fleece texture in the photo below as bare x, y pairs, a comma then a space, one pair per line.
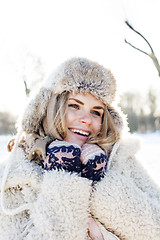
62, 208
126, 201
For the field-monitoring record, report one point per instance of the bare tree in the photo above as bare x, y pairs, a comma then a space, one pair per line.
152, 102
31, 72
151, 55
27, 90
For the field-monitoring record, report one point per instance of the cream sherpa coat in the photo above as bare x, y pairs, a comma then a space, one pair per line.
52, 205
48, 205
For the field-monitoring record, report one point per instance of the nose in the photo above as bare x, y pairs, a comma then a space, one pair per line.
86, 119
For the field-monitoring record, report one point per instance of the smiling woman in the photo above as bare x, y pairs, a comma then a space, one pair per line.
71, 173
83, 122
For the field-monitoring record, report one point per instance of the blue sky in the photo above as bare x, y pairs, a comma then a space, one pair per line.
55, 30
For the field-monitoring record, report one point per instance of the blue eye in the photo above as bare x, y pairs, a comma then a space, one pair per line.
96, 113
75, 106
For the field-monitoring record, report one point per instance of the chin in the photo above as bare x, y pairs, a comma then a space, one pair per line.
75, 138
75, 141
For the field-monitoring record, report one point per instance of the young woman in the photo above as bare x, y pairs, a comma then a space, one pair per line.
71, 174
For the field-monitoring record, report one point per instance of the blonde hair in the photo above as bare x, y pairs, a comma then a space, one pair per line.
55, 122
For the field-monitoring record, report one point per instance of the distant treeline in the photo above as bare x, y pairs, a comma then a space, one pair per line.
142, 113
7, 123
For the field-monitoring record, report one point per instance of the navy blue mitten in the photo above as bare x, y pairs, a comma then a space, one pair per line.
94, 162
63, 155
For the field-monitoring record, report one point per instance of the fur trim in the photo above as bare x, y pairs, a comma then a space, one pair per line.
119, 119
76, 75
35, 111
82, 75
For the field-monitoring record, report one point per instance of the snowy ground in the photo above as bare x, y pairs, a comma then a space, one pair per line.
150, 152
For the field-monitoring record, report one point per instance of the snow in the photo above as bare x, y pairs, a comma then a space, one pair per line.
4, 140
149, 154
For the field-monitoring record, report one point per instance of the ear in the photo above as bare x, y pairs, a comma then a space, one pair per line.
36, 111
118, 118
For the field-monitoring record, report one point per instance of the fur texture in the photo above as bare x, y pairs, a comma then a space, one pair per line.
54, 205
76, 75
125, 203
83, 75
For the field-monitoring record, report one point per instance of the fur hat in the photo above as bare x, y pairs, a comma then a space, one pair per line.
76, 75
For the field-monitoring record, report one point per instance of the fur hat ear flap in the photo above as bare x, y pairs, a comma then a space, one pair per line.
35, 111
118, 118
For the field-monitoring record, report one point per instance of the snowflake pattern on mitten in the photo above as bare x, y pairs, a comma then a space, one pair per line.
95, 168
63, 155
94, 162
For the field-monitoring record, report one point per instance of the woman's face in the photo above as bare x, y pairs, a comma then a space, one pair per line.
83, 118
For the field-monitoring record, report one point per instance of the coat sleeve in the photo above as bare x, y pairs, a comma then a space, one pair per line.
19, 191
62, 207
46, 205
126, 201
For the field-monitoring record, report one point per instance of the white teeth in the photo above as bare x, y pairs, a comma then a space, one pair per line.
80, 132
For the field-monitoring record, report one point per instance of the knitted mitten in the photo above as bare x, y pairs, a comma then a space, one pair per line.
63, 155
94, 162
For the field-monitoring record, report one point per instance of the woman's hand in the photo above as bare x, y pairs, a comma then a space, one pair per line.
94, 162
90, 160
63, 155
94, 231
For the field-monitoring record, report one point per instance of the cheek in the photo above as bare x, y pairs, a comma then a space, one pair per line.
97, 123
69, 117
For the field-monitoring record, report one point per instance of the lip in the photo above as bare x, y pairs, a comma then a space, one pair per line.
81, 129
84, 138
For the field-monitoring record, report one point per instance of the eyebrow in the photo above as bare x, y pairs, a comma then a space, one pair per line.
78, 101
99, 107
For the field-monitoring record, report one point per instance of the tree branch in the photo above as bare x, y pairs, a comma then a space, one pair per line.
136, 47
27, 90
151, 55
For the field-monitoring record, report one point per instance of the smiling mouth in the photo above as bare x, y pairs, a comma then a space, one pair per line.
80, 132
